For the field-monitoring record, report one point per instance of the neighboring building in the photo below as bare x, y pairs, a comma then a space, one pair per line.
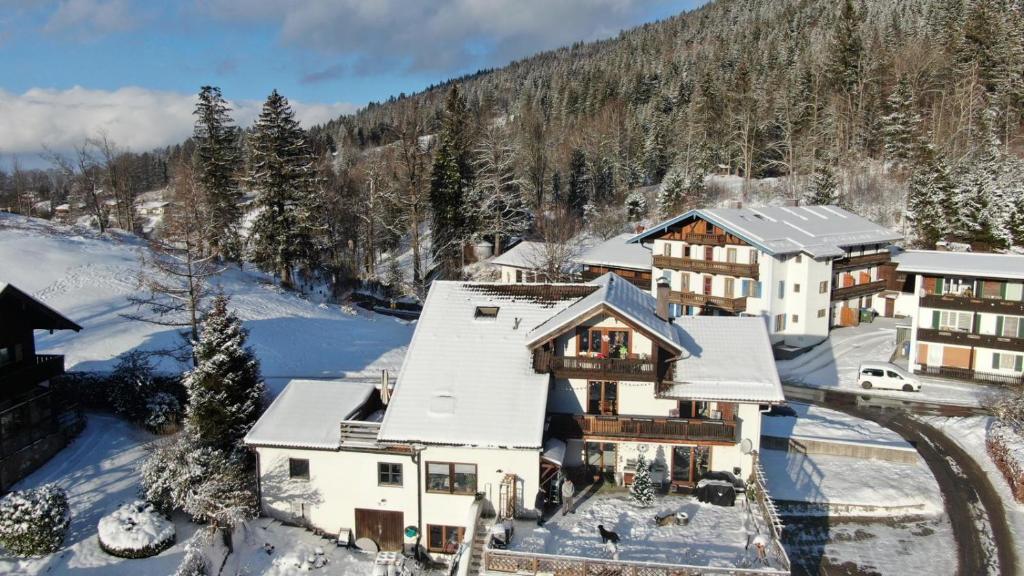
524, 263
34, 425
968, 316
630, 260
805, 269
504, 387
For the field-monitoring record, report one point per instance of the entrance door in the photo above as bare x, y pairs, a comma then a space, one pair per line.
707, 284
382, 526
890, 307
689, 463
603, 398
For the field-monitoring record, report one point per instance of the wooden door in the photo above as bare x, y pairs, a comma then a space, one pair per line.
707, 285
382, 526
603, 398
890, 307
709, 253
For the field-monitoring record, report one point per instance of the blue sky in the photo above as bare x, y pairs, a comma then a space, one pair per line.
69, 68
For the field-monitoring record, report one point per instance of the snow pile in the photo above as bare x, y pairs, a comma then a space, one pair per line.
135, 530
34, 521
1006, 447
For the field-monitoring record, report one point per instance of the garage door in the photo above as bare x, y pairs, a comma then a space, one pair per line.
382, 526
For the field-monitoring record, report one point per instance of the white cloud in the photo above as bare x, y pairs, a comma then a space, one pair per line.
134, 118
88, 19
436, 35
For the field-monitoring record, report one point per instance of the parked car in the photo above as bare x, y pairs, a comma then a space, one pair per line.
883, 375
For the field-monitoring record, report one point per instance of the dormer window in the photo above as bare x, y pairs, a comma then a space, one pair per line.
486, 312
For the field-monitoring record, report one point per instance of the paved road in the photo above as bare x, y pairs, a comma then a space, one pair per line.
974, 508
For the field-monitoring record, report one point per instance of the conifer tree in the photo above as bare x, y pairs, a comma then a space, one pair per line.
643, 488
929, 198
578, 194
451, 182
901, 124
671, 194
217, 166
636, 205
225, 390
282, 174
824, 188
846, 50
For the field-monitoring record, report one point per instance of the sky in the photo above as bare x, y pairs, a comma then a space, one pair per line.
70, 69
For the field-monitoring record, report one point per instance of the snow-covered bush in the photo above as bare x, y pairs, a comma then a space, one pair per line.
643, 487
162, 410
1006, 447
33, 522
131, 384
636, 204
135, 530
193, 563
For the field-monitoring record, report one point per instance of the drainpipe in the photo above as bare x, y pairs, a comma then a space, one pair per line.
416, 450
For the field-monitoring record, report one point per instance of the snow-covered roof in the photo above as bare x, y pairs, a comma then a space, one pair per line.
527, 254
820, 231
974, 264
153, 204
308, 414
725, 358
618, 252
468, 377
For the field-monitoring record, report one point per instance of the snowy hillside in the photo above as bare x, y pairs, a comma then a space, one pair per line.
88, 278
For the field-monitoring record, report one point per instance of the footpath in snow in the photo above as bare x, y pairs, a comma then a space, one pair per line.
89, 278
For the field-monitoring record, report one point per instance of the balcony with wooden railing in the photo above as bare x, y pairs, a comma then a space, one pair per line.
631, 369
857, 290
972, 304
862, 261
959, 338
707, 266
32, 371
655, 428
734, 305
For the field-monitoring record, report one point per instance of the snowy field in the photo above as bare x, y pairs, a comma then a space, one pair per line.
715, 535
99, 472
817, 423
88, 278
833, 364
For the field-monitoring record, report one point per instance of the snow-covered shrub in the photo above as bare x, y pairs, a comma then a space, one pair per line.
636, 204
131, 384
135, 530
1006, 447
193, 563
643, 487
33, 522
162, 410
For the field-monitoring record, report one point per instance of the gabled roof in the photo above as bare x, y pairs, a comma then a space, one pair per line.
39, 315
527, 254
621, 297
820, 231
974, 264
618, 252
308, 414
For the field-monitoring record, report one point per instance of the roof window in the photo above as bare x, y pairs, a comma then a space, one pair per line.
486, 312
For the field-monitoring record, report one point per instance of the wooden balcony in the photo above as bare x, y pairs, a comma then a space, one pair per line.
863, 261
631, 369
656, 428
970, 339
32, 372
706, 239
641, 280
733, 305
707, 266
858, 290
972, 304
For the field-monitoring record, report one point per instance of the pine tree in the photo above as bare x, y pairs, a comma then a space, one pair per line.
846, 50
578, 194
636, 205
225, 391
901, 124
451, 181
1015, 223
282, 174
671, 194
930, 198
217, 166
643, 488
824, 188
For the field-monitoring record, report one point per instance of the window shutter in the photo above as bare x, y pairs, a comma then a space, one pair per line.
977, 324
1018, 364
981, 289
1002, 290
1020, 328
935, 319
939, 285
995, 360
999, 325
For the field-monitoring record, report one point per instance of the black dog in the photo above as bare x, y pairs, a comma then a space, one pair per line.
608, 535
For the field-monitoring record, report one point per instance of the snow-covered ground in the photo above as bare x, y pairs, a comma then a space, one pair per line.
715, 535
99, 472
833, 364
88, 278
817, 423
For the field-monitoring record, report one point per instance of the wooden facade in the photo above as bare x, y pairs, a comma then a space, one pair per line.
639, 278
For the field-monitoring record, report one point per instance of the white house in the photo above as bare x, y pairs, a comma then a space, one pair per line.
967, 313
522, 264
504, 389
804, 269
630, 260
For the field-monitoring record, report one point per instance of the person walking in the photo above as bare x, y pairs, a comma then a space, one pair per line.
568, 490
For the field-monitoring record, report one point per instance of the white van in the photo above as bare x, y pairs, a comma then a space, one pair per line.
886, 376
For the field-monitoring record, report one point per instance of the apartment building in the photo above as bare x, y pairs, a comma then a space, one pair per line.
804, 269
968, 314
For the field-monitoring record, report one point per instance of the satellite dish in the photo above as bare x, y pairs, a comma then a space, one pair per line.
366, 545
746, 446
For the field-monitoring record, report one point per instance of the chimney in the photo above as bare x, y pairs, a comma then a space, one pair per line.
661, 310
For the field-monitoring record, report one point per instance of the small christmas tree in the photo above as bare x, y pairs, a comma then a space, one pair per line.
643, 489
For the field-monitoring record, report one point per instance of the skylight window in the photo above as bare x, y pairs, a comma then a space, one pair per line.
486, 312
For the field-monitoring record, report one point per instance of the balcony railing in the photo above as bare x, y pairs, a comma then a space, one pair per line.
734, 305
970, 339
857, 290
707, 239
862, 261
973, 304
707, 266
633, 369
652, 428
641, 280
44, 367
